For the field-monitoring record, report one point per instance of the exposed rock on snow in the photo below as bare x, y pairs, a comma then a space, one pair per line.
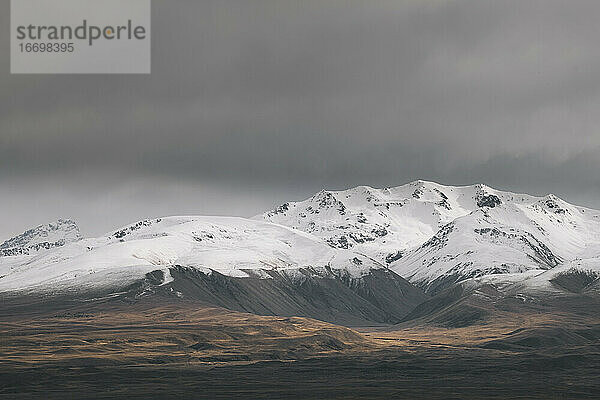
436, 235
43, 237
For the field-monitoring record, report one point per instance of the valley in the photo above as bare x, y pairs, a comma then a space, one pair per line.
118, 349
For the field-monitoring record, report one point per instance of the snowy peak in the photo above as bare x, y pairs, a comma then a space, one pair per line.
473, 246
431, 233
42, 237
551, 204
390, 219
231, 246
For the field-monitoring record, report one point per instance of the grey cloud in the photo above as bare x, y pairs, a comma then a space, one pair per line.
286, 94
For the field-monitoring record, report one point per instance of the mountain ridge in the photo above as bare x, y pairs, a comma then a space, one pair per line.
436, 235
377, 249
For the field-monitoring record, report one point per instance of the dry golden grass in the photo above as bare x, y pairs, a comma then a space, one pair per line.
187, 333
418, 337
183, 333
186, 350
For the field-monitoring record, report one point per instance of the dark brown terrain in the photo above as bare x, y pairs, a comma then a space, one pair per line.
183, 349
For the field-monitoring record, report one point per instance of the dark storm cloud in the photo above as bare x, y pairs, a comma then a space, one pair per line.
329, 93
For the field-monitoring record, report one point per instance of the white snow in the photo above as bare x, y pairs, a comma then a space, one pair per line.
41, 238
228, 245
424, 231
443, 231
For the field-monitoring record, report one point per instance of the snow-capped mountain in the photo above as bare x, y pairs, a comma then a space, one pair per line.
237, 263
436, 235
337, 256
232, 246
42, 237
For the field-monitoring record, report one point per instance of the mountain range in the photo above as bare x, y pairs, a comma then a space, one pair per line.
357, 256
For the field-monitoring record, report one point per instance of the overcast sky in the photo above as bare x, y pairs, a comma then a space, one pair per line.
251, 103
